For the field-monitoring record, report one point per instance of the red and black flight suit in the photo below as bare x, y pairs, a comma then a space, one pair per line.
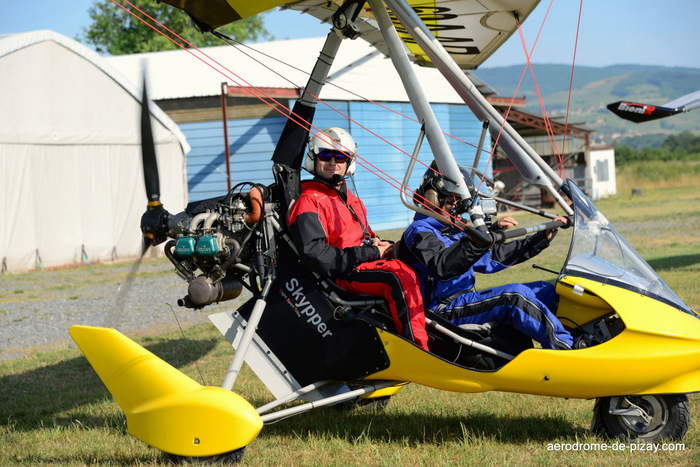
332, 234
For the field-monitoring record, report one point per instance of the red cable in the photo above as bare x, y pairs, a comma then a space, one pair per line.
547, 122
571, 83
300, 121
394, 183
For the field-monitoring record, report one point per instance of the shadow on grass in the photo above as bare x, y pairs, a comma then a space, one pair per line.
673, 262
385, 427
40, 397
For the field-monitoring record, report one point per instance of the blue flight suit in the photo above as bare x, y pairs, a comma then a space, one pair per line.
446, 260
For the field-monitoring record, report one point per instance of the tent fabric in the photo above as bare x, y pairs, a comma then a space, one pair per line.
71, 178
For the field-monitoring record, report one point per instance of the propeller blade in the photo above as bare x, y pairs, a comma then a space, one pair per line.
145, 244
123, 292
148, 152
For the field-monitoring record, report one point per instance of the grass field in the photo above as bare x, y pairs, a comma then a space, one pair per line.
54, 409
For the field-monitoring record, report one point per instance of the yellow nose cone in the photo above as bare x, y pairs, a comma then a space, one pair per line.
164, 407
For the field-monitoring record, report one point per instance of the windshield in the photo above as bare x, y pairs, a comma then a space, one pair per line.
600, 253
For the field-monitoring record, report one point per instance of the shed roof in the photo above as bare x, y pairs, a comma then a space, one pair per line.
359, 71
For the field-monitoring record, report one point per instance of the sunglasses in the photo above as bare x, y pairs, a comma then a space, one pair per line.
339, 157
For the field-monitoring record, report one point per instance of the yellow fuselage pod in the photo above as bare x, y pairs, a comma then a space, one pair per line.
165, 408
658, 352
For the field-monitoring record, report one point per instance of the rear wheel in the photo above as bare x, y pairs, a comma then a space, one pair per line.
647, 418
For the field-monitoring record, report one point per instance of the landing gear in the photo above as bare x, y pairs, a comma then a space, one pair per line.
648, 418
374, 404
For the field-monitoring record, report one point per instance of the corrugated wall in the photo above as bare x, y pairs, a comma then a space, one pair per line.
252, 142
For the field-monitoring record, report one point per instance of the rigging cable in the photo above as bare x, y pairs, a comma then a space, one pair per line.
302, 122
573, 65
296, 119
249, 89
547, 122
239, 45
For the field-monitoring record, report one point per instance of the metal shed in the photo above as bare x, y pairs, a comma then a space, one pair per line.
363, 86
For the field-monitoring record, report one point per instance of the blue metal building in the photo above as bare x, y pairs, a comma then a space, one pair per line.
360, 78
252, 142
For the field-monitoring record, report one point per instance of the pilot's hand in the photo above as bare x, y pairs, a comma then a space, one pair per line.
506, 223
550, 232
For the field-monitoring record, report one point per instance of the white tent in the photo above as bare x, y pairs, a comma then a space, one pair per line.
71, 179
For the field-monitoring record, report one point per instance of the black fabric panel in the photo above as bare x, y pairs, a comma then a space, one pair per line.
299, 327
501, 336
291, 146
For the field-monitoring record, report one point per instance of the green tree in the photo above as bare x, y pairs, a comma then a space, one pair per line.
116, 32
676, 147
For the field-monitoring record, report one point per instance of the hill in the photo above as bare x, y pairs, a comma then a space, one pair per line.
594, 88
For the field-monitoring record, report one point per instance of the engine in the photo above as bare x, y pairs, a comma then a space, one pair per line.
218, 245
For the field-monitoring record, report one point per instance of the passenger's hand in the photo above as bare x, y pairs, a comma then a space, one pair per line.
550, 232
385, 248
506, 223
389, 252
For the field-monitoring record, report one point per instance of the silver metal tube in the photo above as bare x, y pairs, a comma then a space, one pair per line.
292, 396
239, 357
327, 401
196, 220
421, 106
468, 342
209, 221
515, 146
407, 179
479, 148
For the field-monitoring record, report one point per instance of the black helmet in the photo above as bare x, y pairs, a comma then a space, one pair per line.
434, 187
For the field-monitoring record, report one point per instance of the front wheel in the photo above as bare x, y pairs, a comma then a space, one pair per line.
646, 418
233, 457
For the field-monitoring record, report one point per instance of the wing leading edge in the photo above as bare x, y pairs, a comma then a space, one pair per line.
470, 30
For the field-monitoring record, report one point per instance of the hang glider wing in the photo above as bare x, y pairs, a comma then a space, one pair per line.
688, 102
639, 113
470, 30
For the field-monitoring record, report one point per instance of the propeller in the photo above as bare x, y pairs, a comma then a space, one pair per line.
154, 222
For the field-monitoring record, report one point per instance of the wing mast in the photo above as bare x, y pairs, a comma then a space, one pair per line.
419, 102
528, 162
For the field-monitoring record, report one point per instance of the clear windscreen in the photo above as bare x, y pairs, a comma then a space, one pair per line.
599, 252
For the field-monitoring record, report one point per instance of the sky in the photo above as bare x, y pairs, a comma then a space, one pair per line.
644, 32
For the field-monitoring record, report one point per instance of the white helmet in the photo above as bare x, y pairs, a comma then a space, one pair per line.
334, 139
